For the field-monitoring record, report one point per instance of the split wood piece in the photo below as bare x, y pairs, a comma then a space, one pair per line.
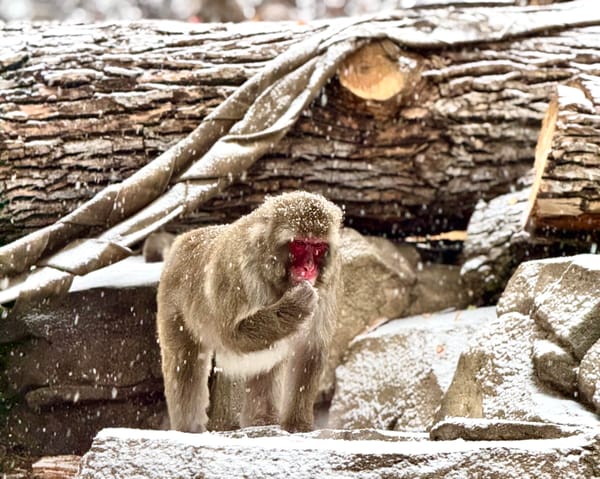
497, 243
566, 192
56, 467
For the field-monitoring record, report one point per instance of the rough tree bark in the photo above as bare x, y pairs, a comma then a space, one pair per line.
84, 107
565, 193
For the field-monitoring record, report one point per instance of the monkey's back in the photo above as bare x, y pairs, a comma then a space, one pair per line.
183, 271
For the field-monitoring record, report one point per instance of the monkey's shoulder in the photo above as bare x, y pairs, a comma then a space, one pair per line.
199, 238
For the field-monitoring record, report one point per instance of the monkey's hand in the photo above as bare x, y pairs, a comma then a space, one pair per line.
263, 328
297, 303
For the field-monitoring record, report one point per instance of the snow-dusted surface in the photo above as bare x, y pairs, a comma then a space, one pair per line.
589, 376
449, 330
394, 376
509, 386
159, 454
128, 273
568, 306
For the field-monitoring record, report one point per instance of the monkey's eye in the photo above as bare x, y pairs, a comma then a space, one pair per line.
320, 249
302, 249
297, 248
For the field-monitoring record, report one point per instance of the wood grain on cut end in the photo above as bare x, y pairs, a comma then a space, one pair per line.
380, 71
56, 467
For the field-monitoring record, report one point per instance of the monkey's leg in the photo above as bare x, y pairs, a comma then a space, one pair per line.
261, 400
186, 366
302, 386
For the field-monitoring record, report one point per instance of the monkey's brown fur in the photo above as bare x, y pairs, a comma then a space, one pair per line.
226, 290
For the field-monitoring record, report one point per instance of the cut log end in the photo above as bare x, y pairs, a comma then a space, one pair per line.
380, 71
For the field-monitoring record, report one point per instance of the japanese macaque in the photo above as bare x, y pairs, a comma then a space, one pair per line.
261, 295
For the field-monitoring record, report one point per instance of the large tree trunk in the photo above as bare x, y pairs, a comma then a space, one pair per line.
87, 106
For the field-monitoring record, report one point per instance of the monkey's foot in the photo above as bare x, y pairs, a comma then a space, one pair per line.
297, 426
266, 420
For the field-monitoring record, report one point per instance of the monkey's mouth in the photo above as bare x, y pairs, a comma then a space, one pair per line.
304, 274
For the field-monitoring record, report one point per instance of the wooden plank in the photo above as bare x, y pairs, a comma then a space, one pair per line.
56, 467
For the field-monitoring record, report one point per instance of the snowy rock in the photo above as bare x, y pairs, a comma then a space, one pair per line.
495, 379
439, 287
529, 279
82, 362
523, 366
499, 430
569, 307
555, 366
268, 454
394, 377
378, 279
382, 281
589, 377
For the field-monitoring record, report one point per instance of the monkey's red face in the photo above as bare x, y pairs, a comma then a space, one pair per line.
307, 256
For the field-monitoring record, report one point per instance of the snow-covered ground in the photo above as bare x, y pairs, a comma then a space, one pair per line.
156, 454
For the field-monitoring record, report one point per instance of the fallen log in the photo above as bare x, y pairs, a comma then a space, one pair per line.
565, 194
84, 106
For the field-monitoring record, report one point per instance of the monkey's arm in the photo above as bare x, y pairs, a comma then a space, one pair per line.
263, 328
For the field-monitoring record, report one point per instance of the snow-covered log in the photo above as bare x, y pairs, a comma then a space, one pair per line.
458, 123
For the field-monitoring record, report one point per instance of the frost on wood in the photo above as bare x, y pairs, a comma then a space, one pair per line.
259, 127
497, 244
269, 453
565, 194
495, 230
